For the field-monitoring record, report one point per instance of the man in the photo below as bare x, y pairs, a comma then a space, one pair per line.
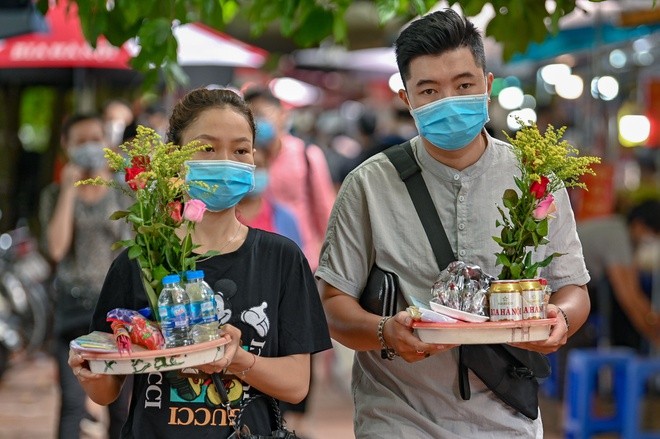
77, 236
299, 177
440, 58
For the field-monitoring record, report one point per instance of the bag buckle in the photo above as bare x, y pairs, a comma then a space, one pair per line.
520, 372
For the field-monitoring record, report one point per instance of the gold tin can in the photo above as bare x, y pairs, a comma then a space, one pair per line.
505, 300
533, 304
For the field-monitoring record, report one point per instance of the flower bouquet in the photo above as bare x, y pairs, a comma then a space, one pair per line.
546, 164
162, 223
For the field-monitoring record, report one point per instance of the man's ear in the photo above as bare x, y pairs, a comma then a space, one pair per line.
404, 97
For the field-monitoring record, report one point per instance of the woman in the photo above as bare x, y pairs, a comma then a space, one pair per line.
272, 309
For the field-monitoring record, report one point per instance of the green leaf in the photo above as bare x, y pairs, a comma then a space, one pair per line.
319, 22
134, 251
542, 227
119, 244
386, 9
510, 198
135, 219
502, 259
119, 214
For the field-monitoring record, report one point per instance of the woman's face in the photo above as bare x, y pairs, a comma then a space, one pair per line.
226, 132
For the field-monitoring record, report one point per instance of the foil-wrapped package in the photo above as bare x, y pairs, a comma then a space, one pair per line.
464, 287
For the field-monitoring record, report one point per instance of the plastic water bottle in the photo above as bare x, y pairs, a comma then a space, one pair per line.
204, 317
173, 306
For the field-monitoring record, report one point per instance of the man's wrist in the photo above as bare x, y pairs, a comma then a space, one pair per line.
386, 352
565, 316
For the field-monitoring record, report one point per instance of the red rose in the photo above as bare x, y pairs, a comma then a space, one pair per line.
538, 189
139, 164
132, 178
174, 209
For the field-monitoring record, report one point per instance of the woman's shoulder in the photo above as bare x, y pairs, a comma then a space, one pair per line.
264, 239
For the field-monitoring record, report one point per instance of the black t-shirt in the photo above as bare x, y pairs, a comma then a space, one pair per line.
269, 293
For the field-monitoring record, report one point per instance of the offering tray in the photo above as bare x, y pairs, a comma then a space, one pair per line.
484, 333
100, 351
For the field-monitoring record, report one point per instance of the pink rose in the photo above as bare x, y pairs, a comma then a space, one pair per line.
538, 188
194, 210
544, 208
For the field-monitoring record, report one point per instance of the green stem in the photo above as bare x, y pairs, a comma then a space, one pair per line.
146, 241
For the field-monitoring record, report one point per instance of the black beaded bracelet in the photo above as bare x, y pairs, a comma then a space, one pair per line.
386, 352
563, 313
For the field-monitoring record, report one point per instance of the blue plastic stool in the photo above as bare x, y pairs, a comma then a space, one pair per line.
583, 366
639, 372
550, 385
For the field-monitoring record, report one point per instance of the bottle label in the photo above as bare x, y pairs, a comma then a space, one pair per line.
173, 316
203, 312
505, 306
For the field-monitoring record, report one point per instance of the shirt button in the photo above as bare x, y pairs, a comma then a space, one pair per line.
461, 198
461, 226
456, 176
462, 252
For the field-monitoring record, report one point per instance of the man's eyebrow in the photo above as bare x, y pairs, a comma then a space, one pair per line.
463, 75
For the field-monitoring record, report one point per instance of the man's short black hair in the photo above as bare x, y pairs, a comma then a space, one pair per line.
76, 118
254, 93
647, 213
434, 34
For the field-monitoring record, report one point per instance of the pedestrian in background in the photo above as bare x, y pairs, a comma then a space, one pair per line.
299, 177
77, 236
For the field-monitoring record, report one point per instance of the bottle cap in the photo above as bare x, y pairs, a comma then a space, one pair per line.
171, 279
196, 274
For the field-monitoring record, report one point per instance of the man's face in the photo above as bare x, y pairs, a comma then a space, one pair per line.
435, 77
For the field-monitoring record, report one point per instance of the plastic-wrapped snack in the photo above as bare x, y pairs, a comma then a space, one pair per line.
143, 332
464, 287
122, 337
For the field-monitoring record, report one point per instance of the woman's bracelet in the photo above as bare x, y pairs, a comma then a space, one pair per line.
386, 352
563, 313
244, 372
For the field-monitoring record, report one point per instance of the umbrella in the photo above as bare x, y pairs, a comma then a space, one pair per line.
62, 55
209, 56
50, 58
200, 45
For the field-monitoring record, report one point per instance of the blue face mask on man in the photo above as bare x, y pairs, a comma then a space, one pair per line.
225, 182
452, 123
265, 132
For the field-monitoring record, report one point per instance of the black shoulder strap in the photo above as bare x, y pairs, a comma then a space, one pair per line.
403, 159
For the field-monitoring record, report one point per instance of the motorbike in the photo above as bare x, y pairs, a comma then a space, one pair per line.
25, 304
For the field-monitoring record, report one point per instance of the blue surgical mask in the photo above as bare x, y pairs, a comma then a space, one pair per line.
452, 123
260, 181
227, 182
265, 132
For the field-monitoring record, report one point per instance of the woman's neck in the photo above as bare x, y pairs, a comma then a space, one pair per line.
219, 231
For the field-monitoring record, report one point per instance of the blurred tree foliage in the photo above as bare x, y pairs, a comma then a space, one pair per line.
306, 22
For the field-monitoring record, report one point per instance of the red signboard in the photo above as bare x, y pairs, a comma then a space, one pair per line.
64, 46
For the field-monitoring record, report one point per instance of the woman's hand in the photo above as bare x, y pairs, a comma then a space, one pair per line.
230, 351
80, 368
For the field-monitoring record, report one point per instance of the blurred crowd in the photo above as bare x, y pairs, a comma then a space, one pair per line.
302, 157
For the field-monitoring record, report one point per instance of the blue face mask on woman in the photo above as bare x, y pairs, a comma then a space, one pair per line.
452, 123
226, 182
